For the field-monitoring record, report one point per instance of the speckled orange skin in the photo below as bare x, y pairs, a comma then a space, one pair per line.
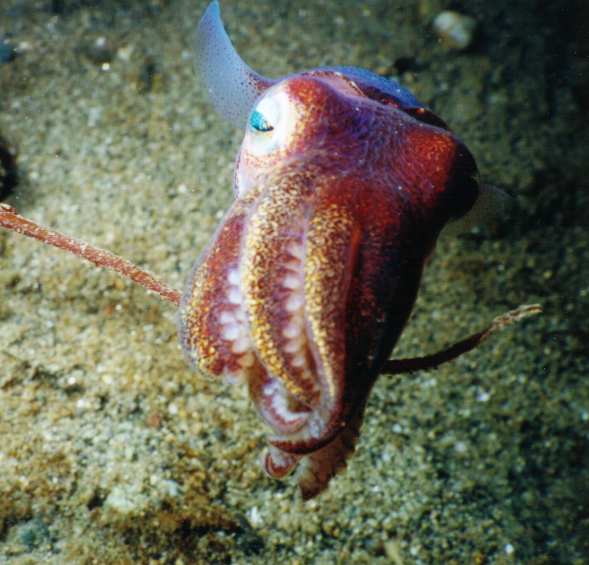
352, 203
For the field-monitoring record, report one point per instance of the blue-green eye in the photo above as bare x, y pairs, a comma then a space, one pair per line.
259, 122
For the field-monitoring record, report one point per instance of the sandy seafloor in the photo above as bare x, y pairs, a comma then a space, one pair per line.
113, 451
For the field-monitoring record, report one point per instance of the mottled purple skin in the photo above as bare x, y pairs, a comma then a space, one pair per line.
313, 273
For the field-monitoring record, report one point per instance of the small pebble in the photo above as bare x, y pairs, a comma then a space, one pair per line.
7, 52
455, 30
33, 533
100, 51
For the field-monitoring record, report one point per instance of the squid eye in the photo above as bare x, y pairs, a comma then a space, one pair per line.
259, 123
270, 124
265, 116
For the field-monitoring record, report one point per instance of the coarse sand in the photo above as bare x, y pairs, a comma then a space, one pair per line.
113, 451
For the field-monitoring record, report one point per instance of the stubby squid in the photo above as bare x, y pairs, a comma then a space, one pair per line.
343, 184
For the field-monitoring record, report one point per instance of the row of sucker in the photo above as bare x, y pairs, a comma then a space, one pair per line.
234, 327
272, 400
294, 331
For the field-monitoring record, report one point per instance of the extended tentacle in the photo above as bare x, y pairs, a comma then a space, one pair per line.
11, 220
433, 361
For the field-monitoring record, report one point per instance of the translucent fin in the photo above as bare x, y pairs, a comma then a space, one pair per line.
232, 85
492, 204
